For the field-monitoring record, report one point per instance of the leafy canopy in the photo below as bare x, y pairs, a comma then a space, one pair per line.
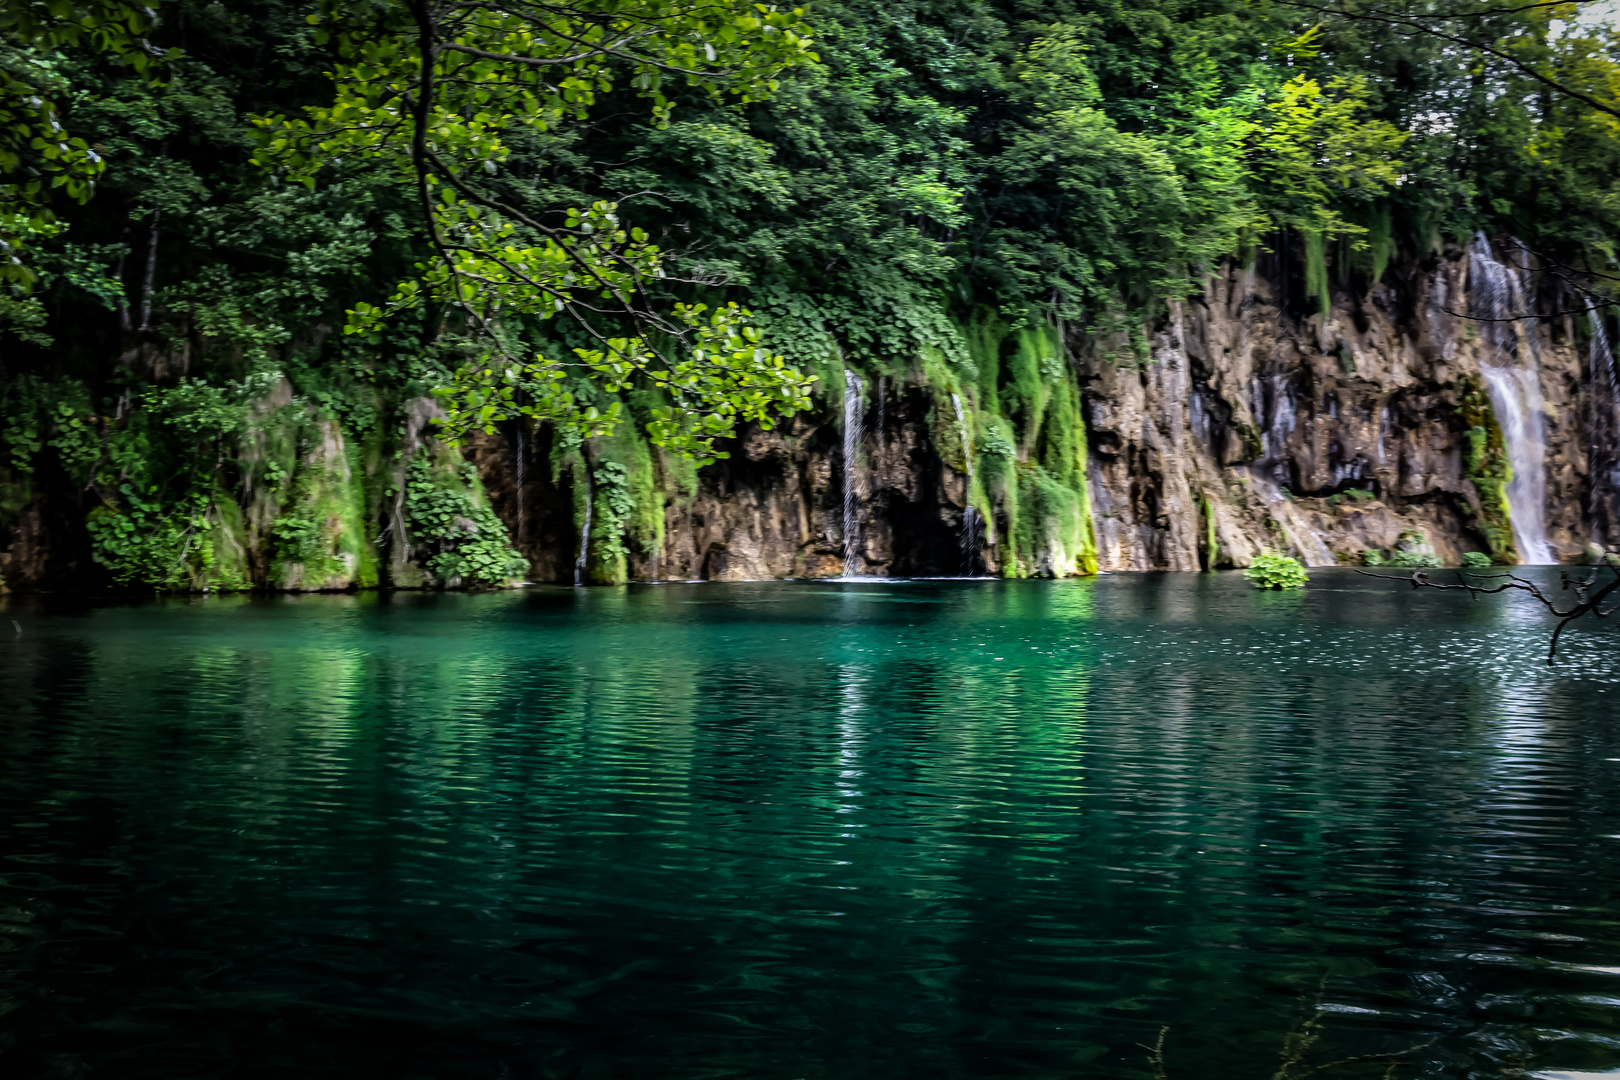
38, 156
433, 94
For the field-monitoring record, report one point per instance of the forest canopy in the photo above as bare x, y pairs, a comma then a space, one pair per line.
684, 215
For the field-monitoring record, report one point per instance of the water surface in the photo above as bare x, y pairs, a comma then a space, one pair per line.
806, 830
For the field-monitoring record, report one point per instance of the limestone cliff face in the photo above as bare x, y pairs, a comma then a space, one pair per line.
1259, 418
1328, 435
775, 508
1258, 421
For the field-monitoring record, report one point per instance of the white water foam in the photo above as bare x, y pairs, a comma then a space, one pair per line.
585, 531
1513, 381
854, 486
970, 516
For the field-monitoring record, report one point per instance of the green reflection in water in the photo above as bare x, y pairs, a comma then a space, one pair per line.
803, 830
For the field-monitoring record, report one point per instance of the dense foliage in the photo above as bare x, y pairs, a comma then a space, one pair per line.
1273, 570
934, 186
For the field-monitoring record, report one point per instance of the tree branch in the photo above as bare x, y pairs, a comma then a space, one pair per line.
1587, 601
1391, 19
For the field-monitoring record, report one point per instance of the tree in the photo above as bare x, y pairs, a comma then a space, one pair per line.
38, 155
433, 92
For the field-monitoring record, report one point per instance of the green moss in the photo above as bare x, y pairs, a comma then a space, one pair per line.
1316, 275
367, 459
642, 520
321, 539
1026, 442
984, 333
1354, 495
1054, 528
1212, 545
945, 429
1034, 369
1063, 454
996, 456
1370, 253
612, 507
450, 519
1487, 467
1380, 242
228, 539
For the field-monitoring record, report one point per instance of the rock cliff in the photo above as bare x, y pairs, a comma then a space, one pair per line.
1332, 433
1421, 413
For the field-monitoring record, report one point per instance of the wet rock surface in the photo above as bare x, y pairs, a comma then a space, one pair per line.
1255, 425
1256, 419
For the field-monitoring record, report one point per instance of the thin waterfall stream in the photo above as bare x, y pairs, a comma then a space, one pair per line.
1513, 381
1603, 430
970, 516
1602, 354
854, 486
1273, 403
1604, 375
585, 530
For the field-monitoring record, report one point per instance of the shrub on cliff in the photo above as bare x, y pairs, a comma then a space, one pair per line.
1414, 552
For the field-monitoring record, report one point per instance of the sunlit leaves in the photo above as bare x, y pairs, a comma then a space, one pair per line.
433, 93
1315, 144
38, 155
724, 377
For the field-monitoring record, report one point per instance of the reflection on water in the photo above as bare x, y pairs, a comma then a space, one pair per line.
946, 828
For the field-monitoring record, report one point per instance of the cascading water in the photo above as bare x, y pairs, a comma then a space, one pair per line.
970, 541
585, 531
1603, 455
1512, 377
970, 516
1272, 401
854, 488
1279, 391
1602, 352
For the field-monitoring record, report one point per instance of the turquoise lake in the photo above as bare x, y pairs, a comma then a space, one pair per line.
807, 831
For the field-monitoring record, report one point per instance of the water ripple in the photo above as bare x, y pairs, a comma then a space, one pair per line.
806, 829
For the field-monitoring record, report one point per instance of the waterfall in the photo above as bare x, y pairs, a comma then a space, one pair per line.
1280, 424
970, 516
1513, 380
584, 532
970, 541
1602, 456
1271, 400
1602, 352
853, 486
